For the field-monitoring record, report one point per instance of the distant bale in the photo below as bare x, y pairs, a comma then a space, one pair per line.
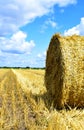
64, 76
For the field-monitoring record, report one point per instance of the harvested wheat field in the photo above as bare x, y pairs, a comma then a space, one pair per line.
64, 78
23, 104
18, 105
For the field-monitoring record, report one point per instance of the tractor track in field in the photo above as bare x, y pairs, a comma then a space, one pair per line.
16, 110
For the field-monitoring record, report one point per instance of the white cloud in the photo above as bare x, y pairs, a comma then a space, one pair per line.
63, 3
17, 44
62, 10
40, 59
50, 22
42, 55
16, 13
78, 29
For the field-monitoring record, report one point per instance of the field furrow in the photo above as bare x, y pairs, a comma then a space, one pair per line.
14, 107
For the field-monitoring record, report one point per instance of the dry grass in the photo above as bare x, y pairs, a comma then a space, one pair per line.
2, 73
22, 107
33, 79
15, 109
64, 76
18, 108
66, 120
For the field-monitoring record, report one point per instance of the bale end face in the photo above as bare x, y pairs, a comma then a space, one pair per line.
64, 76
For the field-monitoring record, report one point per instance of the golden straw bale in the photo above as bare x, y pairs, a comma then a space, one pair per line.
64, 76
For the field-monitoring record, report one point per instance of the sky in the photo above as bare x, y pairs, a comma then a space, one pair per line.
26, 27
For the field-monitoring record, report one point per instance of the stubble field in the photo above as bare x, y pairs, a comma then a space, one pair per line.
25, 105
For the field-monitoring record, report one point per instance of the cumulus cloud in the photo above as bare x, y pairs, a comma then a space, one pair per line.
17, 13
14, 47
78, 29
16, 44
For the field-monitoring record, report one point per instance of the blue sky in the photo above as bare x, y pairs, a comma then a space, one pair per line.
26, 27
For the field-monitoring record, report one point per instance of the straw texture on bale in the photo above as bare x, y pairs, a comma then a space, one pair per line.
64, 76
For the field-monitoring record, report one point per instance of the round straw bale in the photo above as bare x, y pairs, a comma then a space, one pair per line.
64, 76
